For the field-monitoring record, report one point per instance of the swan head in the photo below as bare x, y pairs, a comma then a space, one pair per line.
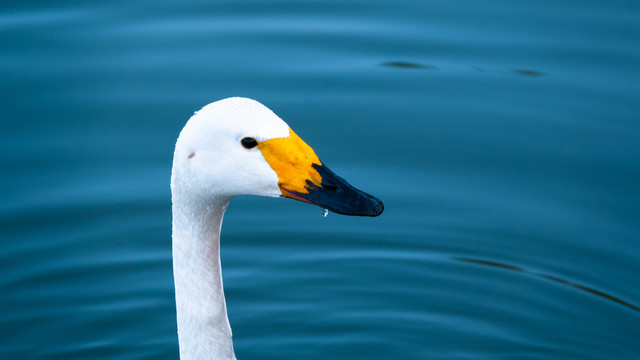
238, 146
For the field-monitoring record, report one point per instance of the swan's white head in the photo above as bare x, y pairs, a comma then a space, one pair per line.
237, 146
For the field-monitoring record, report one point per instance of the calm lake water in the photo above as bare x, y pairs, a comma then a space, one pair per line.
502, 136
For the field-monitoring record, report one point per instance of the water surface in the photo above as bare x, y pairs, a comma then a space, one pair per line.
501, 136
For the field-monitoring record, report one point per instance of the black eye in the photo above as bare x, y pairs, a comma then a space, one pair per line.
249, 142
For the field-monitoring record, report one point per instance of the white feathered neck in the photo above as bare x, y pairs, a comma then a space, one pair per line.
203, 326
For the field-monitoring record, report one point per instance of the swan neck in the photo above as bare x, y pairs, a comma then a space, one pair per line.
203, 326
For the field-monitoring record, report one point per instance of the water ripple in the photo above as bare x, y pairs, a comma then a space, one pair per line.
556, 279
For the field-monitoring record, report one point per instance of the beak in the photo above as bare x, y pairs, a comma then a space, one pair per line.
303, 177
336, 194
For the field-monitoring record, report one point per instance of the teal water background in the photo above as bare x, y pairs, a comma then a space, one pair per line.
502, 136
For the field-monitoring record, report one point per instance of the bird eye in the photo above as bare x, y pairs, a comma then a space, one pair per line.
249, 142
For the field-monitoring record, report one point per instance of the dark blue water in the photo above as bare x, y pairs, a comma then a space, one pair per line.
502, 136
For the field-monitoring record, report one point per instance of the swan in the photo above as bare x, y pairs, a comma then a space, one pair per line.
235, 146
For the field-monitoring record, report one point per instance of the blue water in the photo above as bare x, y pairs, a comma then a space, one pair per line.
502, 136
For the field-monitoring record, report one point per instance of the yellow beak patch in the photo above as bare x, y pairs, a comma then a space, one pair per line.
291, 158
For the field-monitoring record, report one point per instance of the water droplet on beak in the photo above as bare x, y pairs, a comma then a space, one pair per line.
325, 212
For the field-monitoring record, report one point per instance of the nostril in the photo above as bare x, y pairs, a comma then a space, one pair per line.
329, 187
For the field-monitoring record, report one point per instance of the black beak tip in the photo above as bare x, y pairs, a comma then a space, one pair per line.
368, 205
